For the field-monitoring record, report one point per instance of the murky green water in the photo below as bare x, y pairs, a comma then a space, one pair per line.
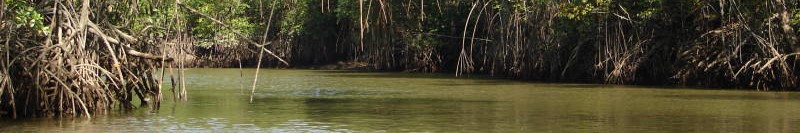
347, 101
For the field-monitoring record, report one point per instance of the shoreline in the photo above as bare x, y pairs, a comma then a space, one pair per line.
365, 67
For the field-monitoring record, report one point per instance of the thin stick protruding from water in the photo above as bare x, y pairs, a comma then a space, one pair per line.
261, 52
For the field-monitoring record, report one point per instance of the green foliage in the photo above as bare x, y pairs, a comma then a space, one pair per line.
646, 9
147, 13
346, 10
231, 12
294, 18
581, 10
26, 16
531, 31
421, 41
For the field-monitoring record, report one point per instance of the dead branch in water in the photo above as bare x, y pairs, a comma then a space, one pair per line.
261, 53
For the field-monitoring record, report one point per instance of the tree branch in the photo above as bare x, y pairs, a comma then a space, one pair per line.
237, 33
93, 28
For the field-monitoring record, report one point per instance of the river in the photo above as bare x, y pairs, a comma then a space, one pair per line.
352, 101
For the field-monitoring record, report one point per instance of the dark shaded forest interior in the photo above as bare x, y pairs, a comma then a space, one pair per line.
87, 57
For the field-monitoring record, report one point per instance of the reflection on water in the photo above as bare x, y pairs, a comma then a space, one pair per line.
349, 101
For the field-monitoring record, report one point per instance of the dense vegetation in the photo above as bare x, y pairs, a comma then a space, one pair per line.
82, 56
731, 44
63, 58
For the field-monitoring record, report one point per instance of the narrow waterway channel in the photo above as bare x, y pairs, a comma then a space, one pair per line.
352, 101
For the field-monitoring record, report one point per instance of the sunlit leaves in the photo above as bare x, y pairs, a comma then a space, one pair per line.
231, 12
26, 16
581, 10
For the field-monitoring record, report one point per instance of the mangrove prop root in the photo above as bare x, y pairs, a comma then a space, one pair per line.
80, 65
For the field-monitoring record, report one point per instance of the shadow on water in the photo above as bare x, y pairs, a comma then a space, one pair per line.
365, 101
342, 71
475, 80
391, 101
369, 74
377, 75
384, 108
378, 108
381, 113
476, 83
731, 97
583, 86
472, 80
420, 113
317, 92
